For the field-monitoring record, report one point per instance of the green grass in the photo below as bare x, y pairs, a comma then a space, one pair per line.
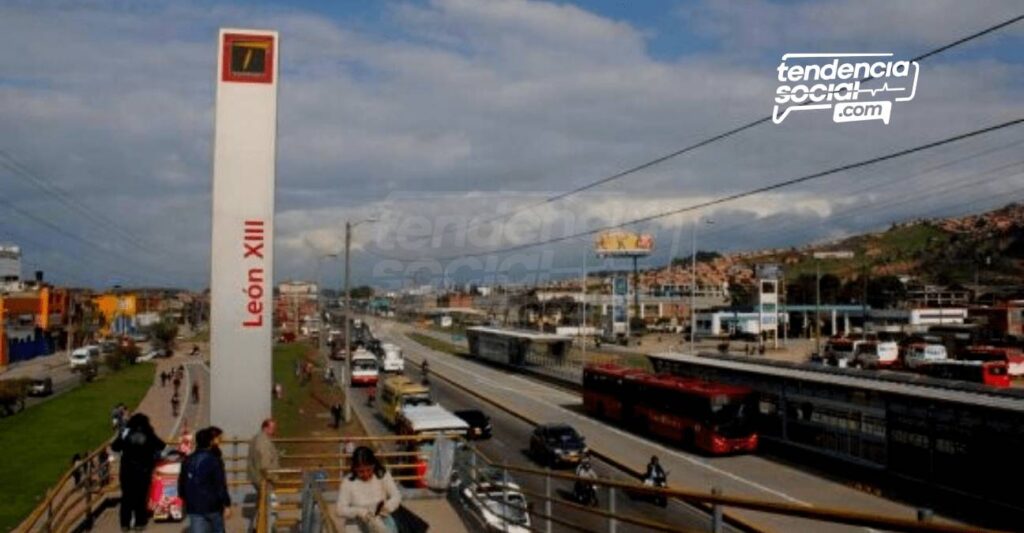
287, 411
436, 344
38, 443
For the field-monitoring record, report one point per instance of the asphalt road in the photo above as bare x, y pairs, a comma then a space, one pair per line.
509, 444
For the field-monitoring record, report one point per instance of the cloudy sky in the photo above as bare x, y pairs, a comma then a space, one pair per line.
447, 120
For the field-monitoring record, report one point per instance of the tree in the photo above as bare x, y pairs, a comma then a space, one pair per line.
885, 292
124, 354
164, 333
740, 294
702, 257
12, 395
362, 292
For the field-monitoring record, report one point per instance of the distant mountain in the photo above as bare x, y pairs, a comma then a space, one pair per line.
987, 247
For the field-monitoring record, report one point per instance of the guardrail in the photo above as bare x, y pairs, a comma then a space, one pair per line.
301, 491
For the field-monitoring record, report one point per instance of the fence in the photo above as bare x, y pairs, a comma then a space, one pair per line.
485, 489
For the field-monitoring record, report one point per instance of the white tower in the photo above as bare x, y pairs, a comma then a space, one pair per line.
242, 254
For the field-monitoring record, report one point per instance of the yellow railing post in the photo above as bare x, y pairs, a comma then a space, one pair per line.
262, 504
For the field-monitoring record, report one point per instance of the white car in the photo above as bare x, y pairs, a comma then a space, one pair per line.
83, 356
875, 354
922, 354
500, 504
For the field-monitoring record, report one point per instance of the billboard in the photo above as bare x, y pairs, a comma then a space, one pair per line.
242, 246
624, 243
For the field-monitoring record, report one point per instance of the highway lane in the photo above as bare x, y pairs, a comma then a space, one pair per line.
749, 475
509, 444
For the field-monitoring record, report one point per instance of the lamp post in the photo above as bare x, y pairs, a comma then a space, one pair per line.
693, 282
583, 308
347, 373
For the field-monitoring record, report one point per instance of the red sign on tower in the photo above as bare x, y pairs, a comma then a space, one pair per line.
248, 58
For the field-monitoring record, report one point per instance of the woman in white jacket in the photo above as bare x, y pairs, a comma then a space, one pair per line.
368, 495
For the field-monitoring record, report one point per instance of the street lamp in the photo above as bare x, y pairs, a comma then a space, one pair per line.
693, 282
348, 315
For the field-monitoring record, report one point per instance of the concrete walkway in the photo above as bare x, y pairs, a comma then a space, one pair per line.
156, 404
191, 417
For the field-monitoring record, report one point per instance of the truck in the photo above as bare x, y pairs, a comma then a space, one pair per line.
427, 420
397, 392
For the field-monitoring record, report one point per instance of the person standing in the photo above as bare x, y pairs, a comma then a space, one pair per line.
195, 391
336, 414
175, 403
203, 485
139, 447
368, 495
263, 454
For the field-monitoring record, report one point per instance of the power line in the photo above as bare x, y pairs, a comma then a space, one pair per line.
763, 223
726, 134
755, 191
21, 170
57, 229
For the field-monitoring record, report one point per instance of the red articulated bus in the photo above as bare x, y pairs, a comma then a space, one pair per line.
712, 417
1013, 357
991, 373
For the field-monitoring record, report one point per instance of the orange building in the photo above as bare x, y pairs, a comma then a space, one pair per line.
44, 308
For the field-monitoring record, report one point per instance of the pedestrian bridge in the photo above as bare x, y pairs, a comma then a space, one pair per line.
480, 493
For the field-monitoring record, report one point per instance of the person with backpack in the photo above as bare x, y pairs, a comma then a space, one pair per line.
139, 448
203, 484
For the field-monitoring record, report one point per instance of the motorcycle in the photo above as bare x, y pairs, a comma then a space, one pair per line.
660, 482
585, 494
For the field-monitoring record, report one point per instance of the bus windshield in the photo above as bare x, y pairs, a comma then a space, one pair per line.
416, 399
731, 415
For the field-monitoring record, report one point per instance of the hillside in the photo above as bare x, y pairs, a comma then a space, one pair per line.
988, 247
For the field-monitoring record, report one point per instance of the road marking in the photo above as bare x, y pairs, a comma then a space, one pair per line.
629, 436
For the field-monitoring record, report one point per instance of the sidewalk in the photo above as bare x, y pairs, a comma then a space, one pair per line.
192, 416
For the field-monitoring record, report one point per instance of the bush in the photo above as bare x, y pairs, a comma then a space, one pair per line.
12, 395
122, 356
88, 372
164, 333
723, 347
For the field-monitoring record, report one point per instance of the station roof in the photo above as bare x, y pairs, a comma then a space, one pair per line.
521, 334
882, 381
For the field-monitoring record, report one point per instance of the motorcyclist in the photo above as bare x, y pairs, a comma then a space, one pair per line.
656, 477
424, 369
585, 469
655, 474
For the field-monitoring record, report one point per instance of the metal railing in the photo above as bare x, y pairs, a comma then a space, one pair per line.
484, 489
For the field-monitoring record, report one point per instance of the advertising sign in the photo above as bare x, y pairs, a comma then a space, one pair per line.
241, 272
624, 243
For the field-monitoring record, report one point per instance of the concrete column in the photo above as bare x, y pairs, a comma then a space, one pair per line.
242, 244
846, 322
833, 321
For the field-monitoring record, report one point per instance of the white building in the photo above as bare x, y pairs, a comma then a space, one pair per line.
723, 323
10, 263
909, 320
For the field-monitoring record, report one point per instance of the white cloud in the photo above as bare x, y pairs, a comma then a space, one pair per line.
449, 103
